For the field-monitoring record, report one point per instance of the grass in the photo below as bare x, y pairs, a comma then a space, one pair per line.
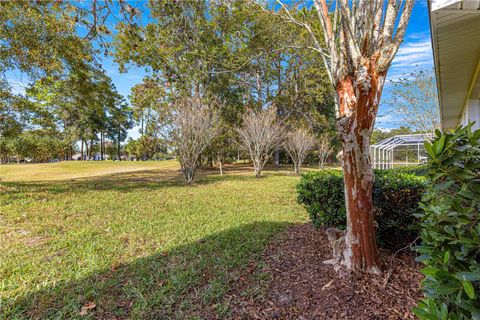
75, 169
131, 240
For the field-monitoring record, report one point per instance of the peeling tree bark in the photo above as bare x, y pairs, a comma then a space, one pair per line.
360, 41
357, 117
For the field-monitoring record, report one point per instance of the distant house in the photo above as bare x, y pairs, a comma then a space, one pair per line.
95, 157
98, 157
77, 156
455, 30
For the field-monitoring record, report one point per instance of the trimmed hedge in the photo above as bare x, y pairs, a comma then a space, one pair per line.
450, 224
396, 195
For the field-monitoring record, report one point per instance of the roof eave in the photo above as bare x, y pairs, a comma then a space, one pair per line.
435, 61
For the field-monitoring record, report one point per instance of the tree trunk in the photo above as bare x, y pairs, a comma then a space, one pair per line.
118, 148
101, 145
361, 248
257, 168
220, 165
81, 152
189, 174
296, 167
358, 112
322, 162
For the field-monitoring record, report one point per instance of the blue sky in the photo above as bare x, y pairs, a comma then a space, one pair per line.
415, 50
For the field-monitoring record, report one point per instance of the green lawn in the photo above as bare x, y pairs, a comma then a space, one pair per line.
130, 239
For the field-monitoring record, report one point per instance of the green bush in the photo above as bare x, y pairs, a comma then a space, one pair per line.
396, 195
450, 234
419, 170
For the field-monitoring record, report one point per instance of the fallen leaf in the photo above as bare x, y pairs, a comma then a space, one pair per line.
87, 306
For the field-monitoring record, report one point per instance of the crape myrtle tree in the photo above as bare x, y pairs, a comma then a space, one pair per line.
298, 144
325, 148
260, 134
357, 46
193, 127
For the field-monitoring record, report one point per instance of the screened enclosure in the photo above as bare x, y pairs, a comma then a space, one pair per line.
398, 151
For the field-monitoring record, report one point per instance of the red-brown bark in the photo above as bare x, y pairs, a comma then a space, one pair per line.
358, 105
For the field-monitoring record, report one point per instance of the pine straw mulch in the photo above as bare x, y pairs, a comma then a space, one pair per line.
301, 286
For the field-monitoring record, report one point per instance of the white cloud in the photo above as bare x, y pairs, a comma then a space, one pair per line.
384, 129
416, 50
414, 53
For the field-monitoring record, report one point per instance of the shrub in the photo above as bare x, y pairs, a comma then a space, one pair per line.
416, 170
450, 234
396, 195
322, 195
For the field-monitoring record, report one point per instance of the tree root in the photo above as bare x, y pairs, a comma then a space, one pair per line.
336, 238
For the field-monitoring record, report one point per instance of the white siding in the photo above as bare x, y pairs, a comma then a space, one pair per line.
471, 112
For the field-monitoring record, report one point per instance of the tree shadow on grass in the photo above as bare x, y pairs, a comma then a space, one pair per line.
177, 284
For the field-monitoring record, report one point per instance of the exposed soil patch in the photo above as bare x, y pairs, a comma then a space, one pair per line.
301, 286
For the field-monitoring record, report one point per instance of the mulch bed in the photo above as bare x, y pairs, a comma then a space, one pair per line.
301, 286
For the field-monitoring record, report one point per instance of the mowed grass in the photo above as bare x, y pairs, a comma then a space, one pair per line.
134, 243
75, 169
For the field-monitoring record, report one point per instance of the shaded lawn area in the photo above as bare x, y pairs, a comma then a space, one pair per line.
136, 244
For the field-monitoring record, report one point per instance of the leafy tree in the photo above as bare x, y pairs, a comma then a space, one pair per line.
415, 98
120, 120
230, 51
43, 41
379, 135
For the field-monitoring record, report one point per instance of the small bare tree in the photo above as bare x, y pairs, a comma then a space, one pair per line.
325, 148
194, 125
260, 135
298, 144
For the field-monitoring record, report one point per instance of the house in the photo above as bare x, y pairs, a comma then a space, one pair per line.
97, 156
77, 156
455, 31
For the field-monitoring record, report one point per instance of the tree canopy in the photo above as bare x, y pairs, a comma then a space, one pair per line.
230, 51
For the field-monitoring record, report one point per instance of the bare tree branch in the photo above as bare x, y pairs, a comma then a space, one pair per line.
260, 135
325, 148
194, 125
298, 144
